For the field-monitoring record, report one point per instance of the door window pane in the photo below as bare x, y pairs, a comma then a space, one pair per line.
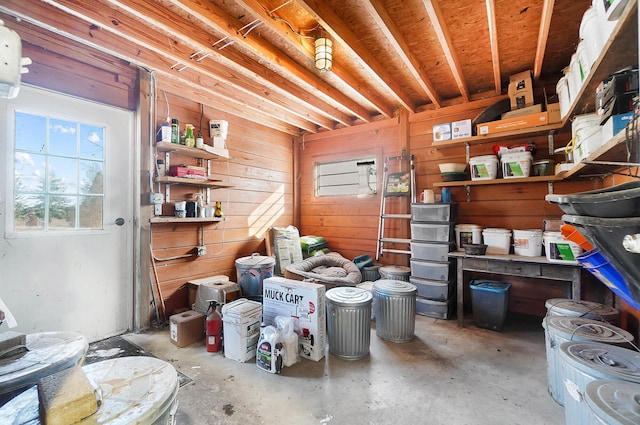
58, 174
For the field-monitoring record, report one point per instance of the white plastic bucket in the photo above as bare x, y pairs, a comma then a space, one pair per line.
606, 26
516, 165
562, 89
467, 234
498, 241
241, 325
484, 167
587, 131
591, 33
560, 250
527, 243
574, 66
583, 60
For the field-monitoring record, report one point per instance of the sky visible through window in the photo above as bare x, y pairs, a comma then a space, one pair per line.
58, 174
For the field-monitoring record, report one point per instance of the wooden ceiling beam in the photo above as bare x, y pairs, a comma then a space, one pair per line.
341, 33
543, 35
435, 15
91, 34
347, 77
376, 9
493, 39
217, 18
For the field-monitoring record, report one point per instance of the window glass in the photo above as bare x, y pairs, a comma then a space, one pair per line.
355, 177
58, 174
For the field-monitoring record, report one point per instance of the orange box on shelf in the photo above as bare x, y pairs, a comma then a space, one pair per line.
532, 120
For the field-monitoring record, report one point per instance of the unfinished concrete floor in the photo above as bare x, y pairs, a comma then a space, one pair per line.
445, 375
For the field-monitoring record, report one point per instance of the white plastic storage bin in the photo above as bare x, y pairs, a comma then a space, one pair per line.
560, 250
241, 324
437, 290
433, 232
527, 243
433, 212
483, 167
516, 165
437, 309
498, 241
432, 270
587, 133
431, 251
467, 234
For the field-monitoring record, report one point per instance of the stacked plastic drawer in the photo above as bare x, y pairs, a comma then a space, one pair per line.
609, 220
432, 272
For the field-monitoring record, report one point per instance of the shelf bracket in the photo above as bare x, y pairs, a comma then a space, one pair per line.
167, 192
550, 141
467, 151
468, 190
550, 187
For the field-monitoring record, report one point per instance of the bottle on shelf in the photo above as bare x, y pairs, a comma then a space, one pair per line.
175, 131
189, 137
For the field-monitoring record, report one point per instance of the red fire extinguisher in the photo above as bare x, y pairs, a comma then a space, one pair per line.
214, 328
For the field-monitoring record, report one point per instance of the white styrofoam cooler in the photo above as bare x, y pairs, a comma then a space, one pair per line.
306, 302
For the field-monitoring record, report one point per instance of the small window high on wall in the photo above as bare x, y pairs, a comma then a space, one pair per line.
356, 177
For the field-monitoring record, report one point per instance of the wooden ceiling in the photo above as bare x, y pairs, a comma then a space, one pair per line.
255, 57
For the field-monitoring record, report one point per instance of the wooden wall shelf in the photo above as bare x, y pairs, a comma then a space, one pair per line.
169, 219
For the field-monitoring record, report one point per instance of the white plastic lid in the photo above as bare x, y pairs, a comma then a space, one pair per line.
496, 230
468, 227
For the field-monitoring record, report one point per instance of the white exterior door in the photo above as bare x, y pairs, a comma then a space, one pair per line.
66, 214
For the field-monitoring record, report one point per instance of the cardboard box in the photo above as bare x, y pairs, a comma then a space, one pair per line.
186, 328
521, 90
614, 125
306, 303
442, 132
532, 120
553, 109
522, 111
461, 129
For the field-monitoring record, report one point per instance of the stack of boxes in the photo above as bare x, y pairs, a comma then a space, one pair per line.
432, 272
615, 100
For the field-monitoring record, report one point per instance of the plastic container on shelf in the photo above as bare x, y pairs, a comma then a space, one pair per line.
434, 232
484, 167
575, 84
562, 89
583, 60
516, 165
527, 243
591, 34
466, 234
605, 9
622, 200
560, 250
587, 135
498, 240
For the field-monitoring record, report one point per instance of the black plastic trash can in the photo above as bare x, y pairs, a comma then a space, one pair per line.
490, 303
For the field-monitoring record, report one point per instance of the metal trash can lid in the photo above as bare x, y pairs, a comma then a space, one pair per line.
581, 308
581, 329
602, 361
394, 287
349, 296
614, 402
256, 260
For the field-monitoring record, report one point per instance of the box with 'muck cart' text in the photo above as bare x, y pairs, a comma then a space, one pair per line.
303, 301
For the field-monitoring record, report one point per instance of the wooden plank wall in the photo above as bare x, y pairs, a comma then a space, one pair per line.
261, 172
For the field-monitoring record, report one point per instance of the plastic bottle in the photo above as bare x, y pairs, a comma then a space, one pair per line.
200, 201
270, 349
189, 138
213, 328
218, 211
175, 131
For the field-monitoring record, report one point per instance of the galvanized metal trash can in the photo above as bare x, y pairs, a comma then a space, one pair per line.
349, 322
395, 273
395, 303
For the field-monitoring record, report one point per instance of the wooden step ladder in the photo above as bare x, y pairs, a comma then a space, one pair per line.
397, 184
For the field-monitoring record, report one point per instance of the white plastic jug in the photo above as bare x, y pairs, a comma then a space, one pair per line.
269, 354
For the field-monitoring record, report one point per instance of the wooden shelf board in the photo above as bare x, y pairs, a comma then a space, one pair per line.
192, 182
185, 151
496, 137
169, 219
536, 179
